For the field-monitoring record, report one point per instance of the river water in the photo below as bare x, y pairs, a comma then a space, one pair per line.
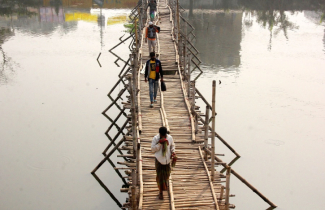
270, 102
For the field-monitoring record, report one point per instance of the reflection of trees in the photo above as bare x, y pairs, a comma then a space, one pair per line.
27, 19
272, 15
218, 37
248, 19
19, 7
56, 4
272, 12
287, 5
284, 24
9, 8
210, 4
6, 65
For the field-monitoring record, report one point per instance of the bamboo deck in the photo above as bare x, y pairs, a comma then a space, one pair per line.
189, 179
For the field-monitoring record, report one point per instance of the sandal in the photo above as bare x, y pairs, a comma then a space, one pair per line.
161, 197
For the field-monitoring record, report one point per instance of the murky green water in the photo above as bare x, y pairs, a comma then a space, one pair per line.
270, 102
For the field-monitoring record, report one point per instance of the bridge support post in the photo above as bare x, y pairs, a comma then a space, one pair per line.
221, 194
227, 187
206, 132
138, 162
178, 28
132, 84
136, 32
184, 55
189, 75
133, 192
213, 134
193, 99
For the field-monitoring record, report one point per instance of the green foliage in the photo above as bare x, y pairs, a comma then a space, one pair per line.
129, 27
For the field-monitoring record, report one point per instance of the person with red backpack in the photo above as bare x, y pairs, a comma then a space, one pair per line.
152, 71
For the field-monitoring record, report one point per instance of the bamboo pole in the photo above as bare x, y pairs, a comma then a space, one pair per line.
221, 193
133, 108
187, 22
206, 133
184, 53
107, 190
202, 97
193, 100
189, 76
136, 33
221, 139
138, 158
227, 187
110, 50
213, 128
133, 193
210, 181
135, 56
178, 29
139, 104
171, 193
114, 122
139, 75
163, 112
116, 136
243, 180
141, 181
107, 156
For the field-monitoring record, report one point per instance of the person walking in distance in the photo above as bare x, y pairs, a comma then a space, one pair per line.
153, 7
152, 71
164, 148
151, 36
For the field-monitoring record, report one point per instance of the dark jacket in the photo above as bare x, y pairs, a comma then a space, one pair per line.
152, 5
158, 65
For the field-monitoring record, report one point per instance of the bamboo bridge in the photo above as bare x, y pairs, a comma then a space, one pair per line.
194, 182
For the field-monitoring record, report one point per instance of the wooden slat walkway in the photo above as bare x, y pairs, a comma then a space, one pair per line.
190, 179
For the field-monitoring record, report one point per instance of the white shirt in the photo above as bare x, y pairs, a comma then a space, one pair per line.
156, 148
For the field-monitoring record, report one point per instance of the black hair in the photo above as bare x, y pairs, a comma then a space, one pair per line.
152, 54
163, 131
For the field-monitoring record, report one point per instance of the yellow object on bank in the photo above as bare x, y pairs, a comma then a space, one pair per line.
80, 16
152, 68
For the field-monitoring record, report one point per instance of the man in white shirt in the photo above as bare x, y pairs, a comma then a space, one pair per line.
163, 146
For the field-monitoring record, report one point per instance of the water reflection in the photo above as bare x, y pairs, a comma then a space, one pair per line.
221, 24
6, 65
227, 5
218, 37
30, 13
9, 13
108, 4
37, 18
281, 47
